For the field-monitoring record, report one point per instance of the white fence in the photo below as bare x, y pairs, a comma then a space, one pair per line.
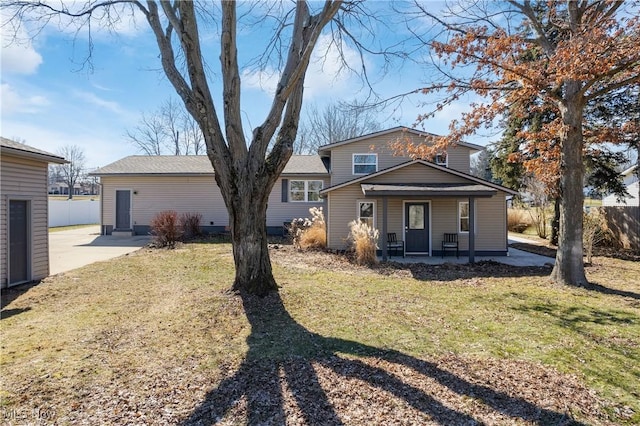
70, 212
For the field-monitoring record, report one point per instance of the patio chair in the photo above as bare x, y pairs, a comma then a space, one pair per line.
450, 241
394, 244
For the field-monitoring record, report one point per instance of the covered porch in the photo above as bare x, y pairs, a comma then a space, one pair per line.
419, 234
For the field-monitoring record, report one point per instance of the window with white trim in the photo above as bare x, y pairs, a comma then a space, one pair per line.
366, 212
304, 191
463, 216
441, 159
363, 164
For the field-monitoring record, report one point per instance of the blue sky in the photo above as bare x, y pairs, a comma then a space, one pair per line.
50, 100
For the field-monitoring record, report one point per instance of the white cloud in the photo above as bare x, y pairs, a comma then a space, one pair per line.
17, 54
265, 80
327, 74
13, 102
98, 101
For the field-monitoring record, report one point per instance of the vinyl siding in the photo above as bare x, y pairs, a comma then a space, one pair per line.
25, 179
279, 212
191, 194
342, 156
153, 194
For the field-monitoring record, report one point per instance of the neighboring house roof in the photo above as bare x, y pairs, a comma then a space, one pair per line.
480, 182
327, 147
196, 165
7, 146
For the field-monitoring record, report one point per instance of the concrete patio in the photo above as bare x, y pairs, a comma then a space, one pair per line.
514, 258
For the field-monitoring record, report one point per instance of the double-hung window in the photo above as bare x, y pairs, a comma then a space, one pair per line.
463, 216
363, 164
305, 190
366, 212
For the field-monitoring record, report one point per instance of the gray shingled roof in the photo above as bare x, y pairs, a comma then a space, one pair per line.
196, 164
28, 151
433, 189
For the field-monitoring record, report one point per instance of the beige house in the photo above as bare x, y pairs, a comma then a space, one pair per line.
24, 237
418, 201
356, 179
136, 188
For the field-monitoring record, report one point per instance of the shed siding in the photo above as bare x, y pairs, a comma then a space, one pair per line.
342, 156
25, 179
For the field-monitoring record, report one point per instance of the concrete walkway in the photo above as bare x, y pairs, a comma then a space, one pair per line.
514, 258
81, 246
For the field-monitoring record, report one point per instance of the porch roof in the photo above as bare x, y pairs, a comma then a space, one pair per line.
427, 189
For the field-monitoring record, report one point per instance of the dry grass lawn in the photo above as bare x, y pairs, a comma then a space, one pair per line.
155, 338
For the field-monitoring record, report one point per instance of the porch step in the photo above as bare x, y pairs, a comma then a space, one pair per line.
127, 233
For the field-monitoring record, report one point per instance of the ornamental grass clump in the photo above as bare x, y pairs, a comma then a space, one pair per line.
363, 240
594, 232
310, 233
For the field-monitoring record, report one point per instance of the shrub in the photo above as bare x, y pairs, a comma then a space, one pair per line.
165, 229
309, 233
517, 220
190, 224
594, 232
363, 240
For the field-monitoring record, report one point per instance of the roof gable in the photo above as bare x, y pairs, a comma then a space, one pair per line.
415, 132
452, 172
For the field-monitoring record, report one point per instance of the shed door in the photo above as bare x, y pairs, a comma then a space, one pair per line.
18, 241
416, 227
123, 209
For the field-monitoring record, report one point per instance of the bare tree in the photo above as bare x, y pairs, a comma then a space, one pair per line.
244, 171
333, 123
73, 171
168, 130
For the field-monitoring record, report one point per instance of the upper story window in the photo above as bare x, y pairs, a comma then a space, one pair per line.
305, 190
363, 164
441, 159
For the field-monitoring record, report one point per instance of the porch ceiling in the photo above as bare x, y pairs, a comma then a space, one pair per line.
427, 189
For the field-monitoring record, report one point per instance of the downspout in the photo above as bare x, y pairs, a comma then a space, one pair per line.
102, 225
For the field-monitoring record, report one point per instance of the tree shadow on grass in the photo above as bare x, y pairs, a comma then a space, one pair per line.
282, 353
608, 290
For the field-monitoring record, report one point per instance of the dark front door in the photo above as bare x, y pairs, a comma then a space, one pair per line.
18, 241
416, 222
123, 209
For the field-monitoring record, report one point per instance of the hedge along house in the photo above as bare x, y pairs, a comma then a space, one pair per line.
24, 232
136, 188
418, 201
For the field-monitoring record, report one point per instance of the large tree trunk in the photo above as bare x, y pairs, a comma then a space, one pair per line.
569, 266
248, 222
